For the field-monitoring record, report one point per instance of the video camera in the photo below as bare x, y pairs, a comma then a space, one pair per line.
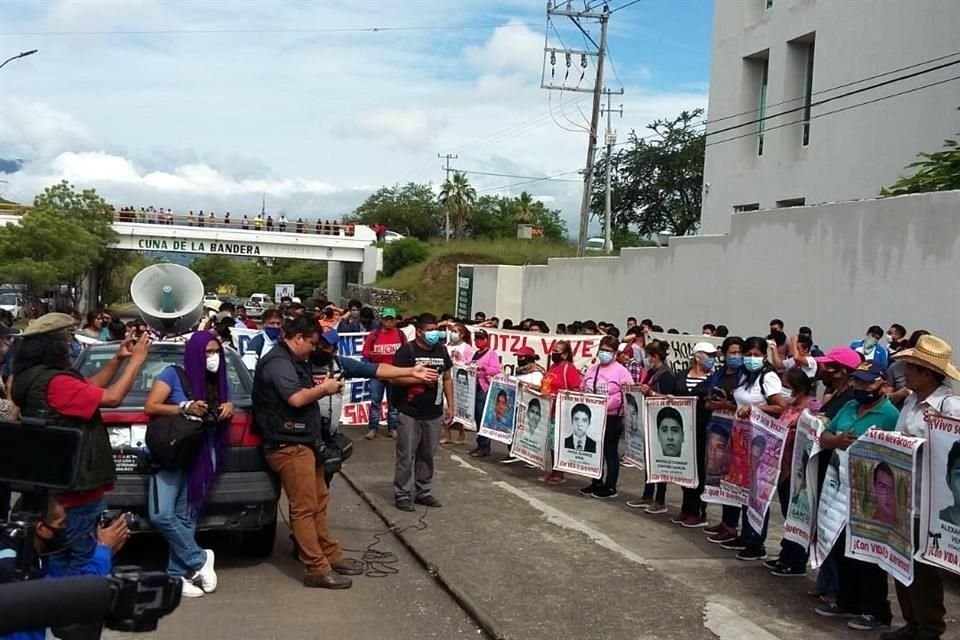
38, 457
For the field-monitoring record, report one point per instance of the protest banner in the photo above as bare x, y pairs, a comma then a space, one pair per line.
506, 342
499, 411
881, 472
735, 482
532, 428
635, 452
719, 457
940, 504
801, 512
578, 439
465, 395
670, 429
832, 507
681, 347
768, 436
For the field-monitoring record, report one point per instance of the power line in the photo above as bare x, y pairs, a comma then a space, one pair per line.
146, 32
624, 6
839, 110
510, 175
517, 184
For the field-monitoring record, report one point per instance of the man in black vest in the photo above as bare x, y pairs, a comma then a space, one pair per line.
45, 387
287, 415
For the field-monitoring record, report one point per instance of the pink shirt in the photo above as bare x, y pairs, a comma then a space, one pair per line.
488, 366
608, 380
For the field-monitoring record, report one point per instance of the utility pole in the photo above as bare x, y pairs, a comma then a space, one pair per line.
446, 212
565, 8
610, 139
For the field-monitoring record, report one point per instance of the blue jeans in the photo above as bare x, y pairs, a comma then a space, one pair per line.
82, 535
169, 512
828, 577
483, 443
377, 390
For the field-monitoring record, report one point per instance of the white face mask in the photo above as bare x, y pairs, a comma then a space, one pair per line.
453, 337
213, 362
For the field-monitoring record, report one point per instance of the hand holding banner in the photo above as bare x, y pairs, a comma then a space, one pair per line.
464, 395
635, 452
532, 428
801, 513
500, 410
767, 439
670, 425
580, 427
940, 506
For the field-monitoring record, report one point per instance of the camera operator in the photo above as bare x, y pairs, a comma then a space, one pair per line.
49, 538
46, 388
197, 392
287, 415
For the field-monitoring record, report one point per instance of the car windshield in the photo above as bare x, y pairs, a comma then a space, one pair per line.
160, 357
8, 299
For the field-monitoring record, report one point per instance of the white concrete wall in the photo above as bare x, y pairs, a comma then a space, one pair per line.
498, 291
838, 268
853, 154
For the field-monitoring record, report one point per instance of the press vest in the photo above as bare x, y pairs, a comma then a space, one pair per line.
273, 417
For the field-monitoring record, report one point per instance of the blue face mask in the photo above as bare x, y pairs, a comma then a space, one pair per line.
605, 357
709, 363
735, 361
432, 337
272, 332
753, 363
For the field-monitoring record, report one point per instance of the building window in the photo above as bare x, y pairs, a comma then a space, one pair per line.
740, 208
762, 111
768, 5
808, 95
792, 202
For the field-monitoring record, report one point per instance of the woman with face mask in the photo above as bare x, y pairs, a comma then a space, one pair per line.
461, 352
657, 379
176, 497
608, 377
488, 366
561, 376
759, 387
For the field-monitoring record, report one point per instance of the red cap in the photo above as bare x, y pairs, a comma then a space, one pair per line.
526, 352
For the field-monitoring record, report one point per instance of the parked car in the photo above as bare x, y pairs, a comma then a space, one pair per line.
13, 302
596, 244
210, 297
246, 494
262, 299
254, 309
392, 236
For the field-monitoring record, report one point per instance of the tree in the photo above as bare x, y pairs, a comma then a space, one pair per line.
656, 185
496, 217
411, 210
457, 196
939, 171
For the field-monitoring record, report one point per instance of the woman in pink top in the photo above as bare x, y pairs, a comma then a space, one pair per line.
488, 366
608, 377
461, 352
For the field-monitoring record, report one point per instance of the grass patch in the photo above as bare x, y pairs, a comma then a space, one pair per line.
431, 285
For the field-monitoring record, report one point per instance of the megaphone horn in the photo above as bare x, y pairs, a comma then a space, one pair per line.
169, 297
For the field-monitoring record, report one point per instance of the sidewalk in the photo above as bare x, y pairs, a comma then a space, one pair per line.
545, 562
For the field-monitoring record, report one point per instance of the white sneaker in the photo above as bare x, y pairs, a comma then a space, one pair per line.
190, 590
206, 575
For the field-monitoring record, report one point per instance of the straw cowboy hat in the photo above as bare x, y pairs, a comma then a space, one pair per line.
931, 353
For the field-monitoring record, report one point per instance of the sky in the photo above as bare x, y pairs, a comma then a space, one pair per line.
214, 104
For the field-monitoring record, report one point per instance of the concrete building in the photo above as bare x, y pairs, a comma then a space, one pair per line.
772, 56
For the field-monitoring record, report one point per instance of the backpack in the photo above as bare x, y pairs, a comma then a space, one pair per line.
174, 441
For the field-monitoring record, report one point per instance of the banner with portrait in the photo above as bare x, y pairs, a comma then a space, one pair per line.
719, 457
635, 452
940, 504
500, 410
671, 434
507, 342
832, 506
768, 437
802, 510
464, 395
735, 482
681, 347
880, 480
581, 419
532, 427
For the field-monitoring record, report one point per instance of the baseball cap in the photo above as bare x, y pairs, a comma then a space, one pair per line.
480, 333
48, 323
704, 347
526, 352
843, 356
331, 337
869, 371
388, 312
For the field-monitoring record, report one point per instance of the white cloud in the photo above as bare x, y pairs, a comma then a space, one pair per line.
404, 126
509, 48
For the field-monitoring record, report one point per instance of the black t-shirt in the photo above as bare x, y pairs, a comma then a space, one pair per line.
422, 401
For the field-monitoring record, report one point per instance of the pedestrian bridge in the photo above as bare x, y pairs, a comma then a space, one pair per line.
336, 244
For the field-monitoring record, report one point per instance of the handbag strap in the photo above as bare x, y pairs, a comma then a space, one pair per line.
184, 382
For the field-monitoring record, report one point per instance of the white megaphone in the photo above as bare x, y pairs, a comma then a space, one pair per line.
169, 297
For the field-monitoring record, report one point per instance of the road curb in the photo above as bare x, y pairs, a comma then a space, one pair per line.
466, 602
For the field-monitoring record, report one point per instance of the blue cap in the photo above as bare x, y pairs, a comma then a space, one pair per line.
331, 337
869, 371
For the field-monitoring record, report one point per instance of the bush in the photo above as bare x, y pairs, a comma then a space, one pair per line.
403, 253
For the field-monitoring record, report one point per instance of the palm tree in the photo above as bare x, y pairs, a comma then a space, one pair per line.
457, 196
523, 206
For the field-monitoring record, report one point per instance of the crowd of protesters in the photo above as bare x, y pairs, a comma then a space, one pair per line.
258, 222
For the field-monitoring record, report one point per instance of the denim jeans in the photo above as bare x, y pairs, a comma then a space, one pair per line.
82, 535
483, 443
828, 579
170, 513
377, 391
611, 451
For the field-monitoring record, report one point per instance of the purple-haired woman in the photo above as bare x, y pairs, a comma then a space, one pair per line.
177, 496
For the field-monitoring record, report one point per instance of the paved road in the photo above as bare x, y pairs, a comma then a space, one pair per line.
259, 600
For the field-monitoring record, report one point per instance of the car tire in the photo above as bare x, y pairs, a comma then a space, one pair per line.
259, 543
